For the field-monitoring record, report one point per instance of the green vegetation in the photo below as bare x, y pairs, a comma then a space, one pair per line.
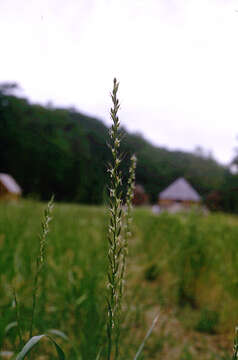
76, 253
52, 150
195, 285
185, 263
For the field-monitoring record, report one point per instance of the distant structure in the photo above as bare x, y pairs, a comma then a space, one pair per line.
9, 189
180, 195
140, 196
214, 200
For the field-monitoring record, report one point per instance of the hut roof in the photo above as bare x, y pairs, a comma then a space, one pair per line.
10, 184
180, 190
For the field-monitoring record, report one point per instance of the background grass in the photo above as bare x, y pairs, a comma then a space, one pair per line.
185, 264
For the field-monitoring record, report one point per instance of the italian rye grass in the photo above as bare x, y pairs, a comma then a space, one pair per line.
116, 252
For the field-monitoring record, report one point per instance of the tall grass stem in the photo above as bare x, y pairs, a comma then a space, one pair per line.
41, 258
19, 330
114, 231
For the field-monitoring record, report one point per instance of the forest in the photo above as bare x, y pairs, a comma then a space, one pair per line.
62, 151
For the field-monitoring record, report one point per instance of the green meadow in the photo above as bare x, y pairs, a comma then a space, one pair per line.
184, 267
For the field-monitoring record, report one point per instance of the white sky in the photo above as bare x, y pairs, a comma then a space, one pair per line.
177, 62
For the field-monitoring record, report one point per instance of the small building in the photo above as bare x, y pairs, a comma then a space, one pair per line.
9, 189
180, 195
140, 196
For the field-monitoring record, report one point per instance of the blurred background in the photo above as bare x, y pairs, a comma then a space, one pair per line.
177, 66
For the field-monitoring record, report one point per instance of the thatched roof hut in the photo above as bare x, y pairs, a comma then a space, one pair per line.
180, 191
9, 189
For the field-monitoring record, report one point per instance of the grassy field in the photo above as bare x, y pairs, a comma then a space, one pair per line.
184, 266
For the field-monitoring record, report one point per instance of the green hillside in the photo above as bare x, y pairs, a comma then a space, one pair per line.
62, 151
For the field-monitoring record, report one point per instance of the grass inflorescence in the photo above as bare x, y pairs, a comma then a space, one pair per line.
114, 233
127, 220
119, 230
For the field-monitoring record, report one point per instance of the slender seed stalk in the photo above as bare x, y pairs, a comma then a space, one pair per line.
127, 218
117, 238
114, 231
126, 233
41, 258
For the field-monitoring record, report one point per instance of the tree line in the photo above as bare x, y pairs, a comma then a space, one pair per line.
62, 151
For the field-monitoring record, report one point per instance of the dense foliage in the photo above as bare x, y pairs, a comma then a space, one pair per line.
51, 150
186, 265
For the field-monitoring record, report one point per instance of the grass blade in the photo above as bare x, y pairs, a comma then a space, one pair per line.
99, 354
34, 341
235, 349
146, 337
10, 326
58, 333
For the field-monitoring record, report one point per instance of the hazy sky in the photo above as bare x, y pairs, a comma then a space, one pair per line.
176, 60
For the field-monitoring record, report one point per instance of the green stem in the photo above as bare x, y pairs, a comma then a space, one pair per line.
34, 295
18, 317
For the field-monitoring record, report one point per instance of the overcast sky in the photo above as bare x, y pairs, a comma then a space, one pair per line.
176, 60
